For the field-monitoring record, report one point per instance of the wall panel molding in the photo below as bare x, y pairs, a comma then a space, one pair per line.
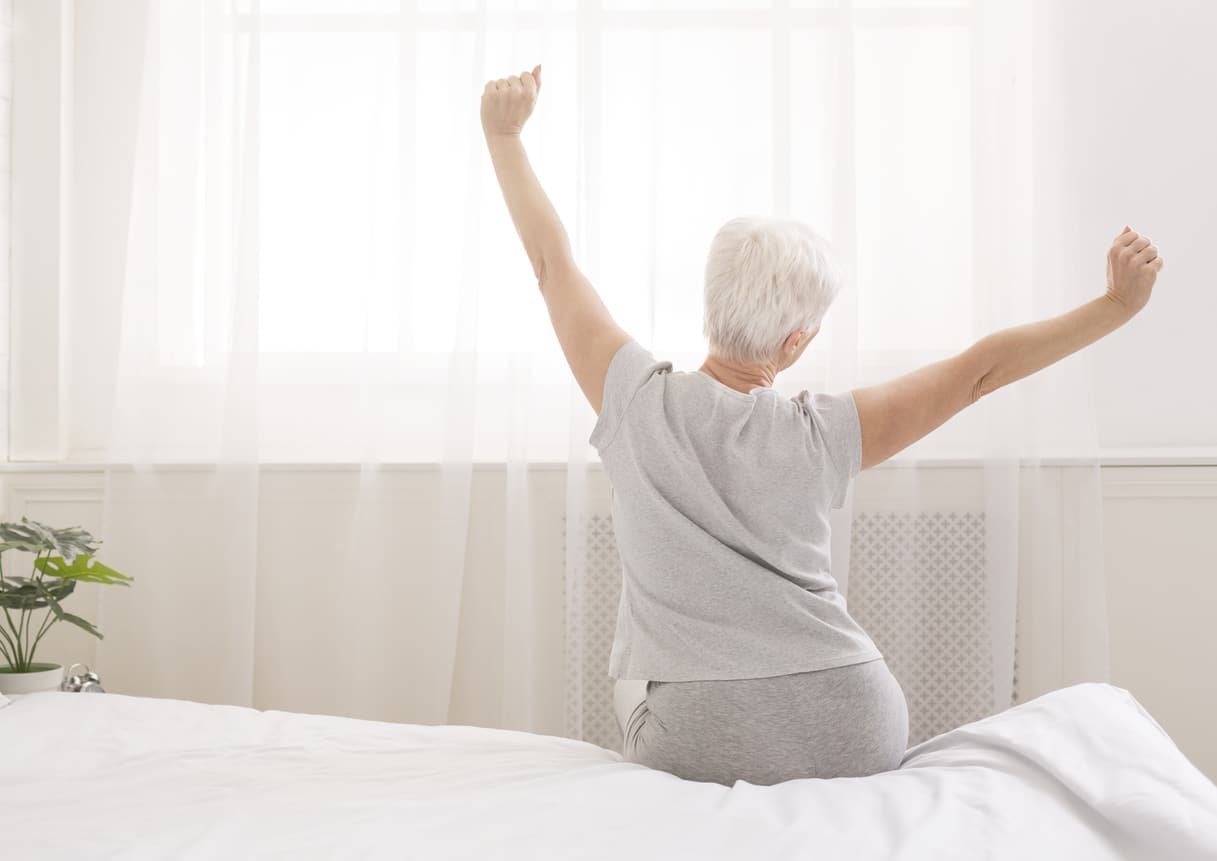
19, 490
1160, 482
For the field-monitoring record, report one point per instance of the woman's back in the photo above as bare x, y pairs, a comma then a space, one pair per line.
720, 509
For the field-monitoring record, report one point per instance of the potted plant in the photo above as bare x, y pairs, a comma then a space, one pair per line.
68, 560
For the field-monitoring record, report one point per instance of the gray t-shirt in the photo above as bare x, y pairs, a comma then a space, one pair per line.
720, 509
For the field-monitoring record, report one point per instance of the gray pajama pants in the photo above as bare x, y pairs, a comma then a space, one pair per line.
843, 722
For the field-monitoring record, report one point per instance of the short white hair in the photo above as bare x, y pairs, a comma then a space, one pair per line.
765, 278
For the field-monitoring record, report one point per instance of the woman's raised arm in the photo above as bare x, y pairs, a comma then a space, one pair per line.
896, 414
587, 332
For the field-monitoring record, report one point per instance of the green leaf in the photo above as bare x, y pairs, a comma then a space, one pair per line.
21, 597
22, 593
20, 581
21, 602
79, 623
55, 590
64, 616
84, 568
72, 541
35, 537
40, 529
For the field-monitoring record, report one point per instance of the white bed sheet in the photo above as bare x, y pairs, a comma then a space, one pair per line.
1080, 773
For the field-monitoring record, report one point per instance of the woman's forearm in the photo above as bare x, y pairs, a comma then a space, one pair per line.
536, 221
1133, 264
1019, 351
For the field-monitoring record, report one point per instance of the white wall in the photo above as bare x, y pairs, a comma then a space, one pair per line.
107, 63
1161, 563
75, 81
6, 94
1126, 133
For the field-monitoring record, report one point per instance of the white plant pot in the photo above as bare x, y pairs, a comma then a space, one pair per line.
46, 677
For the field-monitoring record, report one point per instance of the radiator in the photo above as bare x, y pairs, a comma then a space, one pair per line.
916, 585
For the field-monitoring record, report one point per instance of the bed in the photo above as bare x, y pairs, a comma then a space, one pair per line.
1083, 772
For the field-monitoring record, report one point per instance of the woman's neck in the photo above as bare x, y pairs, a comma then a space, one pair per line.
741, 376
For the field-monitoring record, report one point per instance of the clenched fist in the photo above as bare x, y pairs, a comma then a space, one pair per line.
508, 102
1132, 267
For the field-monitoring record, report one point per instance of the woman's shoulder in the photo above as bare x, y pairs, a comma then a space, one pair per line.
633, 361
826, 407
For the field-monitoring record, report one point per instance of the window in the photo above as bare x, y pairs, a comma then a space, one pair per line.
658, 122
330, 190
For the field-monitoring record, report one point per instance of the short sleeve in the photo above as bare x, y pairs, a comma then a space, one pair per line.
835, 422
630, 368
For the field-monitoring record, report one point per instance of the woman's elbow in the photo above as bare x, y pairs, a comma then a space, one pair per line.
539, 270
551, 268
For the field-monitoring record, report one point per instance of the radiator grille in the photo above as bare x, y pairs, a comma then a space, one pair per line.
916, 585
592, 617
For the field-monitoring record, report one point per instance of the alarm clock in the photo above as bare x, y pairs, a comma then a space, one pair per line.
87, 683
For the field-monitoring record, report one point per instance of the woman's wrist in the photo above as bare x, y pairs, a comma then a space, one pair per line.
498, 138
1124, 307
1109, 312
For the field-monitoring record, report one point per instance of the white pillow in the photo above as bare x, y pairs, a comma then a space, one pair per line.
3, 701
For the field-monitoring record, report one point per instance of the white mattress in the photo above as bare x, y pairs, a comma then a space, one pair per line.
1079, 773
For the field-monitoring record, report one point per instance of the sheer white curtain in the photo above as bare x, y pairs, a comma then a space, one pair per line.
336, 383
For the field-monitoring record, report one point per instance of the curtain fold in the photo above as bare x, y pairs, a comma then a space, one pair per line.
345, 459
189, 631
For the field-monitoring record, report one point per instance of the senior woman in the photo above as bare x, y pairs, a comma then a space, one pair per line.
734, 656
